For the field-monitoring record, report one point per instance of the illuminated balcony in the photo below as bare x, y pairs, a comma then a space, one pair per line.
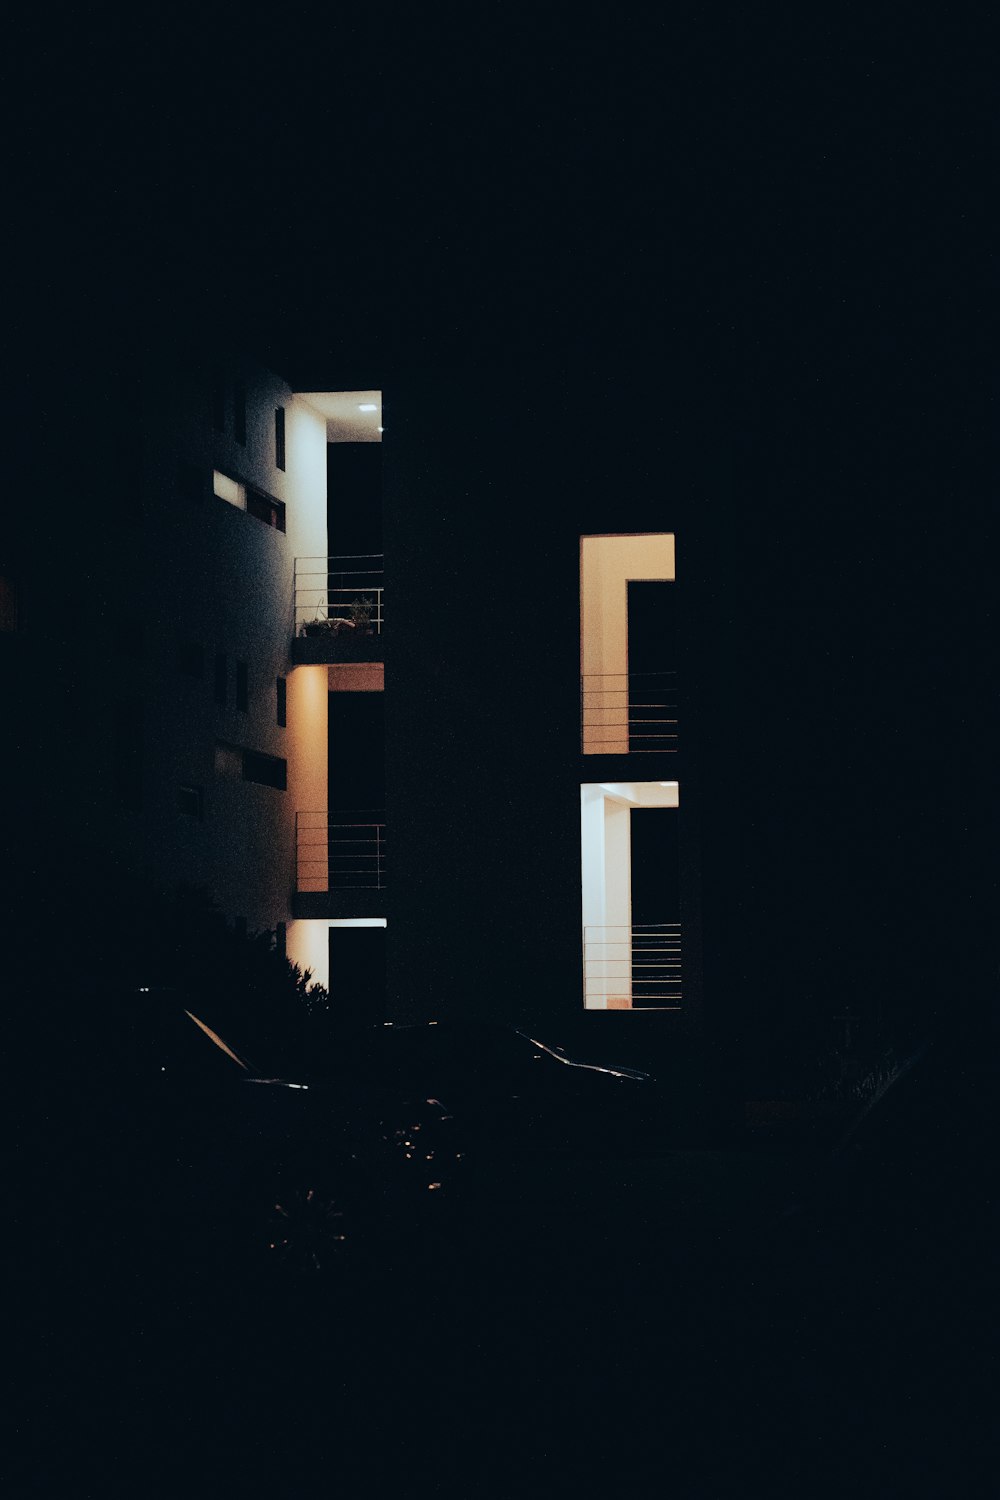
339, 609
629, 713
632, 967
340, 865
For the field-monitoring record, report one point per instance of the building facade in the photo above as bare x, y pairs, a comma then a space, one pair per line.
422, 706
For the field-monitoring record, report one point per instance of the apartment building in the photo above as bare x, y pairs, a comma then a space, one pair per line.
270, 729
497, 820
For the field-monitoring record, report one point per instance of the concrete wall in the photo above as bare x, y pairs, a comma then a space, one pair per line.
186, 569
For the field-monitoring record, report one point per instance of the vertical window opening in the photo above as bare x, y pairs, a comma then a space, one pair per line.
191, 802
281, 702
279, 437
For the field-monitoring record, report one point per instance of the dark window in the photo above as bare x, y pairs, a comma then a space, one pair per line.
279, 437
240, 411
356, 751
281, 701
266, 770
242, 686
221, 678
266, 509
191, 802
219, 402
191, 659
357, 973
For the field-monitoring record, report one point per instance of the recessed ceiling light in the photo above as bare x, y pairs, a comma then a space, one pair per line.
367, 406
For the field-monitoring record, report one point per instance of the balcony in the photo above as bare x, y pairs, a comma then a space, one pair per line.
340, 865
629, 713
632, 967
339, 609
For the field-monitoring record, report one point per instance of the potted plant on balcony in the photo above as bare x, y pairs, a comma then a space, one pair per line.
327, 625
360, 616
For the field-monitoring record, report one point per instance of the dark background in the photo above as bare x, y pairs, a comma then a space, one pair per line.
733, 258
729, 260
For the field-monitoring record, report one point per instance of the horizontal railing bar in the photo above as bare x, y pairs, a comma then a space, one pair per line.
319, 828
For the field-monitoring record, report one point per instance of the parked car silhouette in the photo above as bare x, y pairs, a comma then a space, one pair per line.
508, 1090
190, 1156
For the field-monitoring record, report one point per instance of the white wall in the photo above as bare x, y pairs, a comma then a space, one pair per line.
606, 859
607, 898
607, 563
205, 573
308, 943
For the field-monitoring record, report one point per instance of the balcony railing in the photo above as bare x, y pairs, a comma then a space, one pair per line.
339, 852
632, 968
339, 595
628, 713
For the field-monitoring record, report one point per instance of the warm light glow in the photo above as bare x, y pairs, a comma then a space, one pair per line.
607, 565
350, 416
356, 677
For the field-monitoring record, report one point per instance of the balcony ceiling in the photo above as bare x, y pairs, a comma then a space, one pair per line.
345, 421
642, 793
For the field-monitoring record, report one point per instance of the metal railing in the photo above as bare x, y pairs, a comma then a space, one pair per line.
339, 594
335, 852
632, 967
631, 713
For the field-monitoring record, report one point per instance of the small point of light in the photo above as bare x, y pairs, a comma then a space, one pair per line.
367, 406
144, 989
381, 429
432, 1185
